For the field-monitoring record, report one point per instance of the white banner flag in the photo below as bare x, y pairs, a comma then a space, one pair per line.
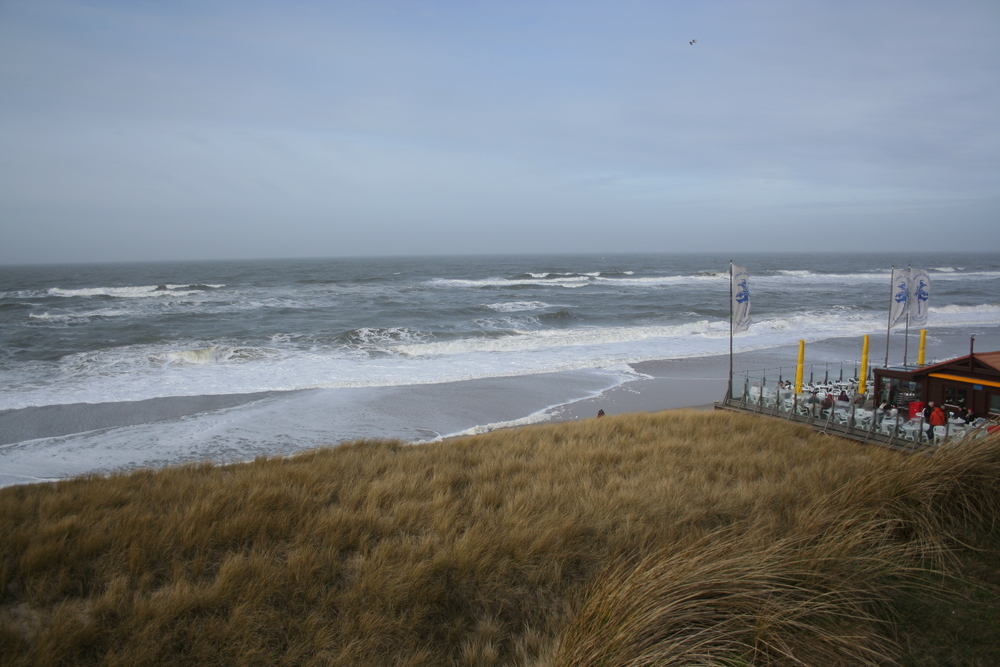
741, 299
919, 292
900, 296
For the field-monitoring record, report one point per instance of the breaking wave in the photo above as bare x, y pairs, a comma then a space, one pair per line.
132, 292
216, 354
516, 306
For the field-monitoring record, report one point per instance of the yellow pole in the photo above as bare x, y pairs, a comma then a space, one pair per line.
863, 382
798, 368
923, 344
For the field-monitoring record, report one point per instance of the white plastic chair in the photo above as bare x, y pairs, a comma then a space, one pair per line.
910, 430
940, 434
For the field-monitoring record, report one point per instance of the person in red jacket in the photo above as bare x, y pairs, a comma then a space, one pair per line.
937, 417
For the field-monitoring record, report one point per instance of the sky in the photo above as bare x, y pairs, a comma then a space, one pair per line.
141, 131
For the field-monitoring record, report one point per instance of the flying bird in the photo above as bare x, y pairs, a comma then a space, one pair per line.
692, 42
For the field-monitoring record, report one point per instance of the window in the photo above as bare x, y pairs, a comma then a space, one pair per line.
995, 404
955, 396
909, 392
888, 390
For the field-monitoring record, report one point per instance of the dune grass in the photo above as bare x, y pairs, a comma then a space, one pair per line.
671, 538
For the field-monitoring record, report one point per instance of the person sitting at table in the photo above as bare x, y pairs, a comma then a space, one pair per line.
968, 416
812, 404
844, 398
937, 417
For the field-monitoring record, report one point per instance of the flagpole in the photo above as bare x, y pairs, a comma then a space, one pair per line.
888, 324
730, 390
906, 335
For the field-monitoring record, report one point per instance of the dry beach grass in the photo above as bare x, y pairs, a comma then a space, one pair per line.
678, 537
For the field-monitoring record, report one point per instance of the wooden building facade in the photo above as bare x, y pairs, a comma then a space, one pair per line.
972, 380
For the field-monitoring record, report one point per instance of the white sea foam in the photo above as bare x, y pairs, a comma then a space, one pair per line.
989, 312
406, 357
807, 277
57, 318
516, 306
75, 318
568, 282
132, 292
791, 277
215, 354
534, 418
381, 336
582, 280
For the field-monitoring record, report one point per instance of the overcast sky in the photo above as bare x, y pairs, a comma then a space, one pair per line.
172, 130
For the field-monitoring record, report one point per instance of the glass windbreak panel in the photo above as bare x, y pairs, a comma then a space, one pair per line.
955, 396
995, 404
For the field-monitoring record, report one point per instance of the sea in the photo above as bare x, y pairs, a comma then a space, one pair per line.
108, 367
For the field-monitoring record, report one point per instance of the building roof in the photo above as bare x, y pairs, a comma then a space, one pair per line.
989, 360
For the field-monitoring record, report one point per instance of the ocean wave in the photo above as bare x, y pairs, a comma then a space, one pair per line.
398, 357
500, 326
989, 310
561, 316
74, 318
794, 277
369, 337
516, 306
581, 280
534, 418
527, 280
522, 341
804, 276
132, 292
215, 354
799, 277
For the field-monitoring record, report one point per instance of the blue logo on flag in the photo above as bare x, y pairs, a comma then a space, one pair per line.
744, 294
901, 294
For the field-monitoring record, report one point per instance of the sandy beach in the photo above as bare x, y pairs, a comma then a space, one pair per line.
54, 442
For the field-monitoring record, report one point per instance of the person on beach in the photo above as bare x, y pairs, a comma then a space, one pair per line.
600, 413
937, 417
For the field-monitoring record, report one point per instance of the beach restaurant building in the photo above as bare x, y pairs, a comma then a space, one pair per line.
972, 380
